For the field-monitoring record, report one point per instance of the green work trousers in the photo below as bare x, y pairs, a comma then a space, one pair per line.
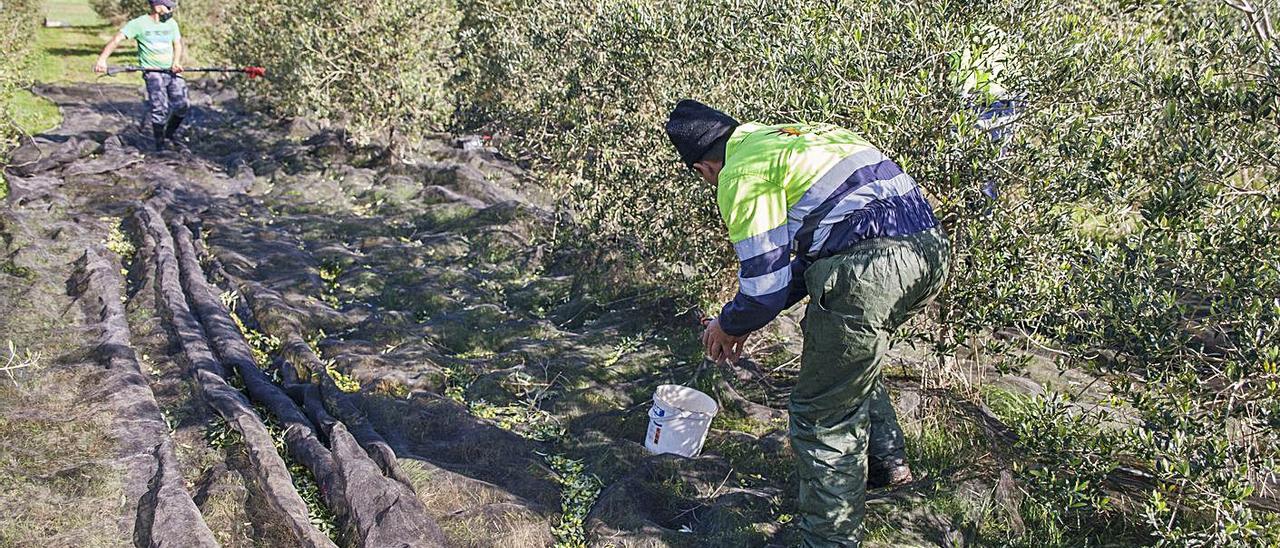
856, 301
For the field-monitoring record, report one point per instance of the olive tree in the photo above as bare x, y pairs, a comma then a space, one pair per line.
18, 22
377, 67
1134, 234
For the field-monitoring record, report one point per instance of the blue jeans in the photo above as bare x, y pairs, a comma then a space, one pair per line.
166, 95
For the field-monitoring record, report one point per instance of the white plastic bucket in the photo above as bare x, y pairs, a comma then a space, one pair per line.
679, 420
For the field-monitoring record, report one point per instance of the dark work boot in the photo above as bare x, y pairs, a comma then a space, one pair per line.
157, 131
888, 473
171, 132
171, 128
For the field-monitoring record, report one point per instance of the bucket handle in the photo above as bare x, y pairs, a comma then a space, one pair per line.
680, 414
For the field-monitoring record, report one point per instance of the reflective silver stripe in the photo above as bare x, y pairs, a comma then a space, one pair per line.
762, 243
858, 199
827, 184
766, 284
820, 238
898, 186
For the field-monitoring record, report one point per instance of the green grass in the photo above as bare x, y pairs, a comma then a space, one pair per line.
78, 13
32, 113
56, 477
62, 55
67, 54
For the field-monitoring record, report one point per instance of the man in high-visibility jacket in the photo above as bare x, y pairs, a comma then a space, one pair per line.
817, 211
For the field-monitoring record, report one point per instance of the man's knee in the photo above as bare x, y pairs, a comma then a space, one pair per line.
178, 102
158, 109
157, 99
180, 108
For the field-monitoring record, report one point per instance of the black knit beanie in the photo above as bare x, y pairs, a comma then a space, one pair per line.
694, 127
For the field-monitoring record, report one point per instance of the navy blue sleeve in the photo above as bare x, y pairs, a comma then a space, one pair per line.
747, 313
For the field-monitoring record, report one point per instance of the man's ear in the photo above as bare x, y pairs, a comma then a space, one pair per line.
710, 171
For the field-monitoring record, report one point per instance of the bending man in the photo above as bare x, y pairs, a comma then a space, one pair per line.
815, 210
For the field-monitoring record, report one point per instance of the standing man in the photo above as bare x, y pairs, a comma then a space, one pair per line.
815, 210
160, 55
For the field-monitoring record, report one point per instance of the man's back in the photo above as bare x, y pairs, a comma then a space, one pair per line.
794, 193
791, 155
809, 178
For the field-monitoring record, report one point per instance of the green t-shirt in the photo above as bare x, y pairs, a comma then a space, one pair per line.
155, 40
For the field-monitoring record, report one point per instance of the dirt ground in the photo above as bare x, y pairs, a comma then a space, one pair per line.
280, 339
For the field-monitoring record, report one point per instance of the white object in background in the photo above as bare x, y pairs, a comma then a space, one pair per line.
679, 420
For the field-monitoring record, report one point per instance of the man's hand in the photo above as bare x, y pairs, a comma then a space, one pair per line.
176, 68
101, 66
721, 346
